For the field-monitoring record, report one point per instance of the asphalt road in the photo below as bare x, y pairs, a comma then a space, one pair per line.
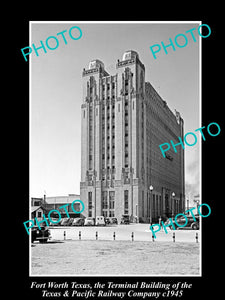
65, 254
115, 258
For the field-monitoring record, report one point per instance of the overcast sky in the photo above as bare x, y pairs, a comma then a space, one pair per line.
56, 93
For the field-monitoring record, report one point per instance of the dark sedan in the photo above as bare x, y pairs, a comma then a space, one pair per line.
185, 222
40, 234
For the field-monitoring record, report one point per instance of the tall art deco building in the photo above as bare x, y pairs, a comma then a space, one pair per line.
124, 120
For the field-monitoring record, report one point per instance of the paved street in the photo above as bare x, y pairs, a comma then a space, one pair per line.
74, 258
121, 256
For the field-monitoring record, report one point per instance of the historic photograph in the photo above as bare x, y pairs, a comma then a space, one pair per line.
115, 148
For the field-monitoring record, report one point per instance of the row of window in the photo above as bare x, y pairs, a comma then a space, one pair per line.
126, 125
107, 86
108, 116
108, 203
109, 149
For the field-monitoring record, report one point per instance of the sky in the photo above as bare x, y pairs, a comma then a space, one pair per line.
56, 92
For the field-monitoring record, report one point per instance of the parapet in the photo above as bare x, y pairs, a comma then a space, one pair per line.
95, 66
129, 57
130, 54
96, 63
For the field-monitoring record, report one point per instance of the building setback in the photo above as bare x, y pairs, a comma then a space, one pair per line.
123, 122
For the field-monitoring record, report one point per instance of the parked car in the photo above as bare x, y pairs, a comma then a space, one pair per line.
100, 220
42, 235
66, 221
89, 221
107, 220
113, 220
125, 219
78, 222
192, 224
54, 220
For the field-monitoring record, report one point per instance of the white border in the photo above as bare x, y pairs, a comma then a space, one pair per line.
200, 149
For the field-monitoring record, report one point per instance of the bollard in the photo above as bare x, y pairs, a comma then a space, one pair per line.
196, 237
79, 235
153, 238
114, 236
132, 236
96, 235
174, 236
64, 234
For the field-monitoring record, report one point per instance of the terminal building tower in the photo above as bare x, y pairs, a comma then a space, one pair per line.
123, 122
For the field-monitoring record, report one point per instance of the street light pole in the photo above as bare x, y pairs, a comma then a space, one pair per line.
151, 189
173, 195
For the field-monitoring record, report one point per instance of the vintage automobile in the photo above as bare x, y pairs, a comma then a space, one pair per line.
107, 220
125, 219
54, 222
114, 220
191, 223
40, 234
78, 222
89, 221
66, 222
100, 220
111, 220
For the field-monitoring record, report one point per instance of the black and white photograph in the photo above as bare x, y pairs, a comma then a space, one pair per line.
124, 143
114, 110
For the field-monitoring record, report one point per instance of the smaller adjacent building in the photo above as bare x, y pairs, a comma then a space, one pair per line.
57, 203
37, 212
65, 203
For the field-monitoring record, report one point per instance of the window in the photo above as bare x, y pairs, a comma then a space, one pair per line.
39, 214
111, 200
126, 208
111, 213
118, 107
104, 200
153, 205
157, 205
143, 207
89, 204
126, 87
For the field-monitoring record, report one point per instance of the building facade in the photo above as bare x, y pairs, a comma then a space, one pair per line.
56, 203
123, 122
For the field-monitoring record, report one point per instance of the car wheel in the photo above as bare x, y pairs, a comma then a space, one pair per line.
194, 226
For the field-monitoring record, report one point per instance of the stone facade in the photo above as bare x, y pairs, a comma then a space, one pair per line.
123, 122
